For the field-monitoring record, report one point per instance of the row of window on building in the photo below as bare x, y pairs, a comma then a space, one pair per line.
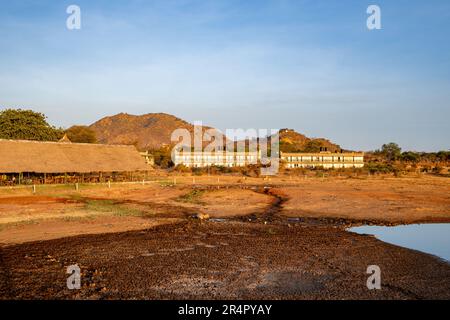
291, 160
326, 160
208, 159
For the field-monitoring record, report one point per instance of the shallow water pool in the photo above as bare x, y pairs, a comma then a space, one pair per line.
429, 238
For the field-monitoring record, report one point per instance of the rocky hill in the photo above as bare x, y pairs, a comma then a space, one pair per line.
148, 131
292, 141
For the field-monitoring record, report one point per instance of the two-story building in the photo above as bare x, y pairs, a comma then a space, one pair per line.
202, 159
326, 160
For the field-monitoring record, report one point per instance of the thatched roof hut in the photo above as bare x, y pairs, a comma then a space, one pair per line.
18, 156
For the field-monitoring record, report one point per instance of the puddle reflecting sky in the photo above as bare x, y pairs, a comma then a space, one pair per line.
429, 238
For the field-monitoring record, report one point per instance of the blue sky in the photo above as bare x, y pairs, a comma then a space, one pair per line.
308, 65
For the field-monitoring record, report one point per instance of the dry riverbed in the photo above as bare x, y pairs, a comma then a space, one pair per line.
140, 241
231, 260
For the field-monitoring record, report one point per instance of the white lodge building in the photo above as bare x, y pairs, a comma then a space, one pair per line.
202, 159
327, 160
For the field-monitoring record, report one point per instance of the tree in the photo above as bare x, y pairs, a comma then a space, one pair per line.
443, 155
391, 151
81, 134
27, 125
163, 157
410, 156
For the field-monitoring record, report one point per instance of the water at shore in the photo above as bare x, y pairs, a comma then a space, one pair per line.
429, 238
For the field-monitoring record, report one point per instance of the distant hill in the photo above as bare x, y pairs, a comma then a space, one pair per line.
153, 130
148, 131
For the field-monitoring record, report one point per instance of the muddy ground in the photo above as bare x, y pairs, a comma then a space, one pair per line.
230, 260
266, 240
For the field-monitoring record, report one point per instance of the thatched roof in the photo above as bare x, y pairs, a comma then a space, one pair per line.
54, 157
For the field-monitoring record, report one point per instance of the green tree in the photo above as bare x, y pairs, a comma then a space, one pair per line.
27, 125
391, 151
410, 156
81, 134
443, 155
163, 157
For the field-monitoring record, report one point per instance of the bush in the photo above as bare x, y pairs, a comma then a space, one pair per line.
182, 168
163, 157
410, 156
437, 169
81, 134
379, 167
